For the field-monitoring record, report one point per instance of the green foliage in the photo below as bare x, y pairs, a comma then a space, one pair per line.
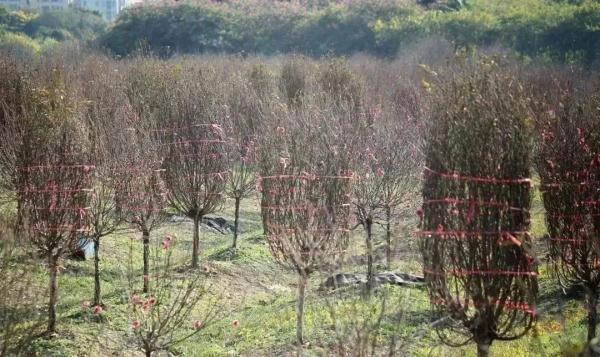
13, 21
253, 27
65, 24
19, 46
168, 29
28, 33
50, 348
557, 31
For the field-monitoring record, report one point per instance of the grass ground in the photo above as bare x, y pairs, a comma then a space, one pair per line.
260, 294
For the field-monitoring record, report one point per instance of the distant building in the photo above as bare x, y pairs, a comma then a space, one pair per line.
109, 9
10, 4
39, 5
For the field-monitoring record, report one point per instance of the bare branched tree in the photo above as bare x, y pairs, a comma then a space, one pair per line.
569, 166
141, 194
53, 177
142, 197
106, 114
306, 195
246, 103
242, 178
479, 266
193, 150
195, 172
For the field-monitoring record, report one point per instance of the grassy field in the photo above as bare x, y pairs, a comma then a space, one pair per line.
260, 294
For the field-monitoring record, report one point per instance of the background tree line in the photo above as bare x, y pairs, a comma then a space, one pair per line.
28, 34
558, 31
551, 30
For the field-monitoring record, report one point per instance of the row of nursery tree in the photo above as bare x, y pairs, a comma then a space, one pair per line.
96, 146
554, 30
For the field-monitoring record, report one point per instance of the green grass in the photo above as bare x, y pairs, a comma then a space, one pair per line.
256, 291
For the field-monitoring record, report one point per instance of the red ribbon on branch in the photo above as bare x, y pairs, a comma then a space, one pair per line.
456, 201
491, 180
85, 168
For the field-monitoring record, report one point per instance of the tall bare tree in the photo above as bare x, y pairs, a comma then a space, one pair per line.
400, 161
247, 100
306, 193
106, 114
141, 195
52, 175
193, 147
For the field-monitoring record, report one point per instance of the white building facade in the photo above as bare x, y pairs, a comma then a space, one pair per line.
36, 5
109, 9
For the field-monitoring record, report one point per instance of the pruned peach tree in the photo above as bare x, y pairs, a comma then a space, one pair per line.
246, 101
305, 196
141, 195
193, 152
106, 116
52, 177
569, 166
478, 262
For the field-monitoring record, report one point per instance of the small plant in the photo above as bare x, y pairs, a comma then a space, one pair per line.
168, 315
367, 327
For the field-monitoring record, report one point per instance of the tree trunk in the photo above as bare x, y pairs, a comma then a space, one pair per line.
148, 353
53, 292
302, 281
592, 300
146, 241
97, 294
388, 237
483, 349
370, 272
236, 222
196, 241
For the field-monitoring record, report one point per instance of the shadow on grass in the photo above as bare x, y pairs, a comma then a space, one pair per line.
225, 254
552, 298
256, 239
